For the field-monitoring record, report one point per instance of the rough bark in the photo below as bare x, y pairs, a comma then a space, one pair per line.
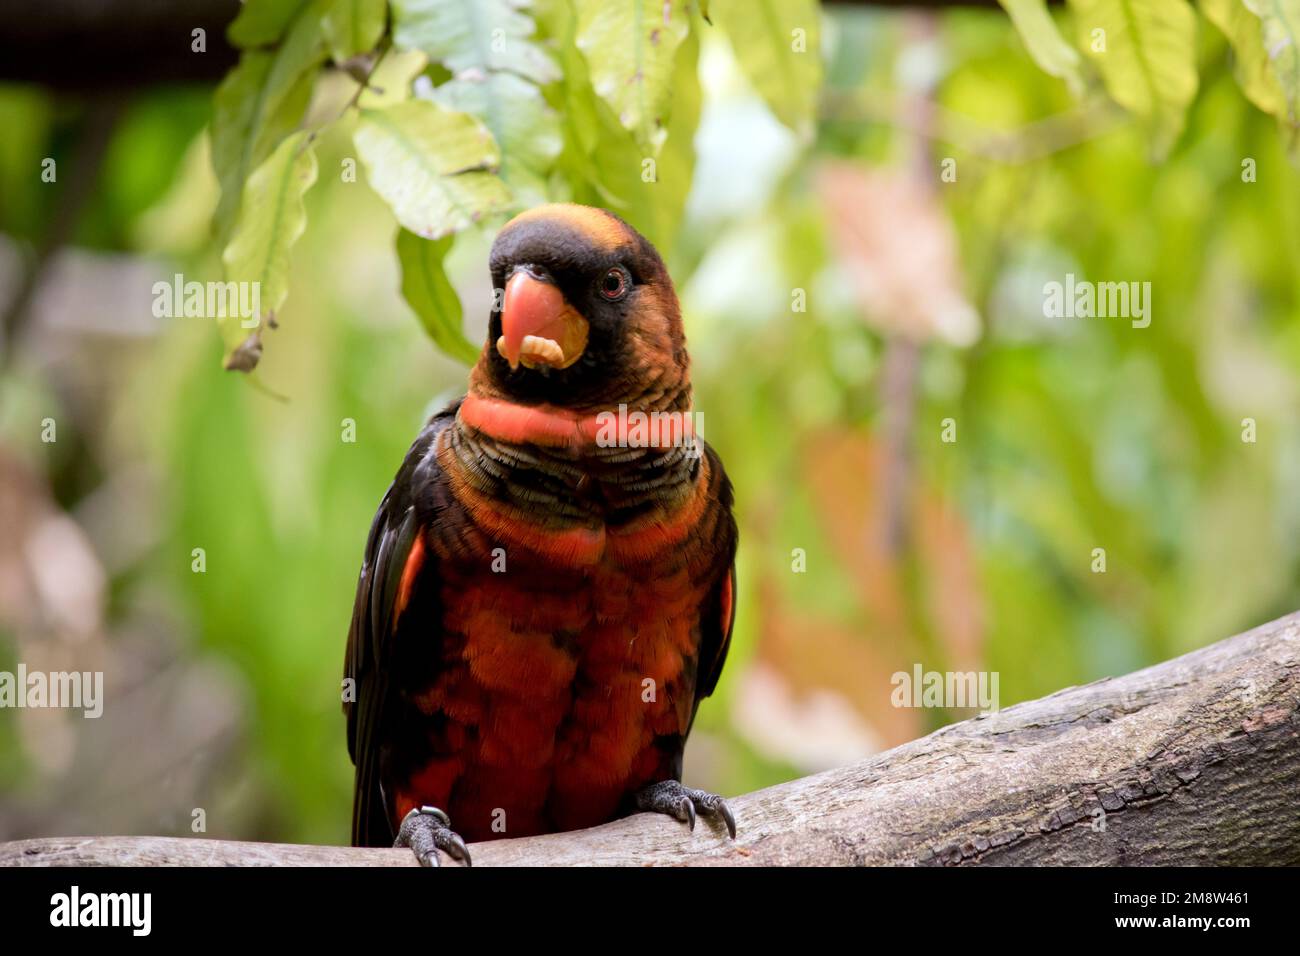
1193, 761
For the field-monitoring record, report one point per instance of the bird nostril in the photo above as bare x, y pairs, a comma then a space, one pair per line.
540, 273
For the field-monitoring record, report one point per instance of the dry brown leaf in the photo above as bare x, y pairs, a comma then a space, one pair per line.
900, 250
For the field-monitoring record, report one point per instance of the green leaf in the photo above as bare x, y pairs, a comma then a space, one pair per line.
1044, 42
271, 219
777, 43
433, 166
630, 46
262, 22
259, 103
660, 205
1245, 32
525, 127
649, 192
1146, 53
429, 292
602, 162
1281, 20
352, 27
576, 98
487, 35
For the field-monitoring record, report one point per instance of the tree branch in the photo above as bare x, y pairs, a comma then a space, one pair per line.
1193, 761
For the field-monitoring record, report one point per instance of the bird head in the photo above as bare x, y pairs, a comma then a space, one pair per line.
584, 314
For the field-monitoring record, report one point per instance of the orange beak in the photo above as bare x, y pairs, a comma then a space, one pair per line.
538, 325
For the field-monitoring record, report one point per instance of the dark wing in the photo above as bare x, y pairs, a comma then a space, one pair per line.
394, 562
718, 613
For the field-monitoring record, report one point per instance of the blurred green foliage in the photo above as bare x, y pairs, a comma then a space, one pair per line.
1071, 434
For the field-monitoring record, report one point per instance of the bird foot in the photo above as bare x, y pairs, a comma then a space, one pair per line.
670, 797
426, 830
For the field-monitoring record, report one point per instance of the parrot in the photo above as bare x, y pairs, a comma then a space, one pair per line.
548, 587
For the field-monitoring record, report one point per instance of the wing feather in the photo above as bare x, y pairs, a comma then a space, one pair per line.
375, 632
718, 614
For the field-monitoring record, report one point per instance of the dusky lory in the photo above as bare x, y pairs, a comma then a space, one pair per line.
548, 587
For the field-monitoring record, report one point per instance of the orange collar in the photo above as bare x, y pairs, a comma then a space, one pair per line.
554, 427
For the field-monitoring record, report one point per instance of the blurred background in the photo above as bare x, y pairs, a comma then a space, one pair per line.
843, 299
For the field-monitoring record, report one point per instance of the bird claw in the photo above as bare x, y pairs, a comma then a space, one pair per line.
681, 803
426, 830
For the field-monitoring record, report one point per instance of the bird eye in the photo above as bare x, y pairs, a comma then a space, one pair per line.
613, 284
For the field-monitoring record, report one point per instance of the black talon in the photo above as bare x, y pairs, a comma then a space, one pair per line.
727, 818
457, 849
679, 802
426, 830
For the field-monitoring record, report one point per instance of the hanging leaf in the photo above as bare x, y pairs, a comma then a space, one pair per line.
525, 127
579, 118
271, 219
1245, 32
1044, 42
777, 43
353, 27
630, 47
1281, 20
262, 22
429, 292
260, 102
603, 161
433, 166
486, 35
1146, 52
